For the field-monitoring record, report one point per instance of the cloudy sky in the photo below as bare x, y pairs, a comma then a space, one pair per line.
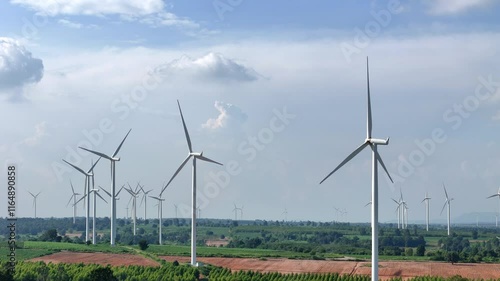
275, 90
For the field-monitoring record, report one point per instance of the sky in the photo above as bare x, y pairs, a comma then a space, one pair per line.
274, 90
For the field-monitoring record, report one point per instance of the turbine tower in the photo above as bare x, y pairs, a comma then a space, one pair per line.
427, 203
398, 210
73, 197
373, 143
95, 191
160, 212
88, 176
199, 156
144, 199
447, 202
34, 200
496, 195
113, 160
285, 212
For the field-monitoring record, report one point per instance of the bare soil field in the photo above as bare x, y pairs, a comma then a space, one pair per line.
387, 270
97, 258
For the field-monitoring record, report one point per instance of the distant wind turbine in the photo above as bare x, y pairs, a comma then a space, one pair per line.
89, 178
34, 200
73, 197
160, 212
427, 203
199, 156
134, 194
285, 213
144, 199
112, 159
96, 193
447, 202
496, 195
376, 159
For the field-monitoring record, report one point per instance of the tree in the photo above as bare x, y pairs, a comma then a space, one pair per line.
50, 235
474, 234
421, 250
143, 244
452, 257
102, 274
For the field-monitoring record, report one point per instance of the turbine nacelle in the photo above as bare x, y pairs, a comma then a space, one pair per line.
196, 154
377, 141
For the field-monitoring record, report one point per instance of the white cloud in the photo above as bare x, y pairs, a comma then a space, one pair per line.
17, 65
75, 25
40, 132
229, 116
151, 12
446, 7
93, 7
213, 67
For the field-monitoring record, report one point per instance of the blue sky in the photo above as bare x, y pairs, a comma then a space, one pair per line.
68, 67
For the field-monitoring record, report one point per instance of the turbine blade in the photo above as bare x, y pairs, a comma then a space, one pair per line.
175, 174
494, 195
109, 194
99, 195
93, 165
154, 197
446, 193
77, 168
120, 190
31, 194
69, 200
348, 158
120, 146
185, 129
80, 199
383, 166
369, 117
72, 189
395, 201
208, 160
96, 153
369, 203
443, 207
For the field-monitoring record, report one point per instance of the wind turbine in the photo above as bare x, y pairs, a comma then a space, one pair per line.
427, 203
199, 156
176, 207
398, 210
96, 193
34, 200
144, 198
134, 195
88, 176
285, 213
496, 195
160, 212
447, 202
199, 212
235, 211
112, 159
73, 197
373, 143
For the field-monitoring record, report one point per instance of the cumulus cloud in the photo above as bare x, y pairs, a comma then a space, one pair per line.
446, 7
213, 67
40, 132
229, 116
75, 25
17, 66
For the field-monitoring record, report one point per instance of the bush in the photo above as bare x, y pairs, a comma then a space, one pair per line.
143, 244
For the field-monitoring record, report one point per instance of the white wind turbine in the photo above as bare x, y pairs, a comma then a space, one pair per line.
176, 208
112, 159
427, 203
160, 212
199, 156
73, 197
144, 199
88, 176
447, 202
134, 195
235, 210
285, 212
373, 143
496, 195
34, 200
398, 210
96, 193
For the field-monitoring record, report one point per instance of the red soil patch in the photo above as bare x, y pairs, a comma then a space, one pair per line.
97, 258
387, 270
